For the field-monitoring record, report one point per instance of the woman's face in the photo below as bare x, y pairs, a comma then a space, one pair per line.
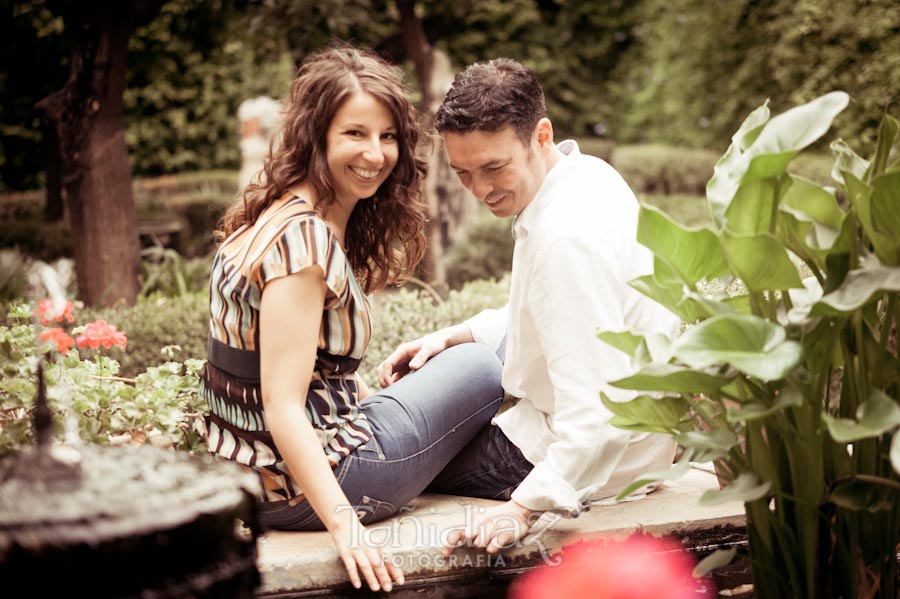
361, 147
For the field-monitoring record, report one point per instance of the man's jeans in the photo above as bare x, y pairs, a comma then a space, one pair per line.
490, 466
419, 423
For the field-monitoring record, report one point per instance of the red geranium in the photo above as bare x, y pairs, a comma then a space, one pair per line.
48, 312
640, 567
100, 333
58, 336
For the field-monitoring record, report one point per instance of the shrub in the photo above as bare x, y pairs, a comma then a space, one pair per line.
484, 252
402, 315
664, 169
158, 322
88, 396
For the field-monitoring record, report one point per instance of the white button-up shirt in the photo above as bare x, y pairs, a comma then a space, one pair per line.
575, 252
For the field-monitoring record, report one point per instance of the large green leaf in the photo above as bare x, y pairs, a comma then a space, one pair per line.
859, 287
670, 295
745, 487
887, 133
708, 445
751, 209
774, 146
694, 254
727, 173
847, 160
884, 205
661, 413
761, 262
623, 341
788, 398
819, 203
672, 378
751, 344
863, 496
874, 417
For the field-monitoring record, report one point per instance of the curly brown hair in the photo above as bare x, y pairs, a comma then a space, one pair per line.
385, 237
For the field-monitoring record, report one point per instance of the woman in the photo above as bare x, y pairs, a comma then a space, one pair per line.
336, 215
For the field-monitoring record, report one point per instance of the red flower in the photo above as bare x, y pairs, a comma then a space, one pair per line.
640, 567
47, 312
59, 337
100, 333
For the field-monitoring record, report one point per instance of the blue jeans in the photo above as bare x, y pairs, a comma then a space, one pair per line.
419, 423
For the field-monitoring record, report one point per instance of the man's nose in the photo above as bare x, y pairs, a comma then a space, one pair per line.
481, 188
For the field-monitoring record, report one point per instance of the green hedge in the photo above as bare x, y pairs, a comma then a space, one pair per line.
154, 323
664, 169
398, 315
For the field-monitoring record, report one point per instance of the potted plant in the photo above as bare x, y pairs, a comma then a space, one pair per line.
789, 383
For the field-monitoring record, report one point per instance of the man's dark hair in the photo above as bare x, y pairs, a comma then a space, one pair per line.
487, 96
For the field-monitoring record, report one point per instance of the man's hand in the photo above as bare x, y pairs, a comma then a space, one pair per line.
412, 355
493, 529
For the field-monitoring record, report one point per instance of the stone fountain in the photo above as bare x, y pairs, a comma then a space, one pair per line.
124, 522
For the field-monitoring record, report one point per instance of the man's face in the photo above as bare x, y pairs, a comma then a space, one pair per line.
499, 170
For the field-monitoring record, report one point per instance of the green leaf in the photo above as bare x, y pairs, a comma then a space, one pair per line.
863, 496
847, 161
761, 262
884, 205
669, 295
859, 287
672, 378
751, 344
887, 133
673, 473
745, 487
662, 414
708, 445
625, 341
727, 172
874, 417
788, 398
820, 204
693, 253
774, 146
716, 559
750, 211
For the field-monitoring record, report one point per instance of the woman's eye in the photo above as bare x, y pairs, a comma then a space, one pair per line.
390, 136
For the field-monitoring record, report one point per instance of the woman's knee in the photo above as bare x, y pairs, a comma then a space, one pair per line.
476, 361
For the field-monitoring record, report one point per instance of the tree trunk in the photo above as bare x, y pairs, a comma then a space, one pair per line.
87, 116
446, 199
54, 208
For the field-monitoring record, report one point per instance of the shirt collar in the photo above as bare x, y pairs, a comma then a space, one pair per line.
526, 219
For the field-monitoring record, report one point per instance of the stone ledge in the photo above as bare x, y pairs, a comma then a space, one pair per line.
305, 564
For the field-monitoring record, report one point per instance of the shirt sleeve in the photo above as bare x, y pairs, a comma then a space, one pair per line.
303, 243
489, 327
576, 289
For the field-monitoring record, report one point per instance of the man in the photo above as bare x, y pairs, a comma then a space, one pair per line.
575, 233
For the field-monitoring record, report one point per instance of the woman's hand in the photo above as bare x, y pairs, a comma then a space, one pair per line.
359, 556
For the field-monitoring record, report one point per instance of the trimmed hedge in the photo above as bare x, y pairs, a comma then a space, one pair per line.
666, 170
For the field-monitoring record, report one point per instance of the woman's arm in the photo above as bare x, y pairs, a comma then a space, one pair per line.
290, 319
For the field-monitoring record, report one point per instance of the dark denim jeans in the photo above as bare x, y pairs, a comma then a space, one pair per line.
490, 466
420, 423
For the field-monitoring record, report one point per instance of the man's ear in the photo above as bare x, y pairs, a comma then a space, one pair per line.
544, 134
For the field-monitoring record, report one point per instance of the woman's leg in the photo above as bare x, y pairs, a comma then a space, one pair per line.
419, 423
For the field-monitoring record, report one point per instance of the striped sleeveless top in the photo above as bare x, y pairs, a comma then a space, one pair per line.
283, 241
